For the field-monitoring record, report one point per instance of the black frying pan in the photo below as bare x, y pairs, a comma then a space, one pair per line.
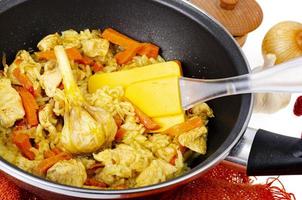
183, 33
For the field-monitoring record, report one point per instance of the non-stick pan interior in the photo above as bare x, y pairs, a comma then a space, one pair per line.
205, 50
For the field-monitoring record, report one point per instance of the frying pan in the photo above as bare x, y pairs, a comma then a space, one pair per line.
183, 32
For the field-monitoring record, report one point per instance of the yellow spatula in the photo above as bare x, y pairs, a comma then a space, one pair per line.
160, 91
153, 89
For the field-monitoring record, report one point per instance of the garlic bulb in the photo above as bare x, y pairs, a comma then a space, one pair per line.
284, 40
270, 102
86, 128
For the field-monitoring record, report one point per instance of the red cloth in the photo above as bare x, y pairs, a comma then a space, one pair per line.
222, 182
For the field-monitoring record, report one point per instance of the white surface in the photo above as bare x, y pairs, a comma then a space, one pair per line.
284, 121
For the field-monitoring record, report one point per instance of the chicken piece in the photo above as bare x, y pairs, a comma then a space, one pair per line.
47, 118
158, 171
71, 39
202, 110
27, 66
87, 34
49, 42
50, 80
196, 140
95, 47
11, 108
68, 172
122, 162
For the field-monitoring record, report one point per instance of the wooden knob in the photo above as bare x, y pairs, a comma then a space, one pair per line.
228, 4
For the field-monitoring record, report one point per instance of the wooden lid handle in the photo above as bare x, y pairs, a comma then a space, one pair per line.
228, 4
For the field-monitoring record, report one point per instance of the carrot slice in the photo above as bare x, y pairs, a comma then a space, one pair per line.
127, 55
188, 125
49, 153
56, 151
22, 141
96, 67
146, 120
24, 80
120, 134
86, 60
116, 37
94, 182
150, 50
72, 53
30, 106
47, 163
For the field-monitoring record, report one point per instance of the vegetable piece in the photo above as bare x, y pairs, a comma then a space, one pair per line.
48, 154
284, 40
146, 120
120, 134
188, 125
86, 128
94, 182
86, 61
126, 56
270, 102
73, 54
117, 38
24, 80
134, 47
21, 140
96, 67
52, 152
45, 164
148, 49
30, 106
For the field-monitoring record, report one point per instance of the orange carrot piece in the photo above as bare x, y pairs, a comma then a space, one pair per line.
120, 134
56, 151
49, 153
24, 80
127, 55
85, 60
52, 152
46, 55
18, 61
150, 50
94, 182
188, 125
96, 67
72, 53
22, 141
30, 106
47, 163
146, 120
117, 38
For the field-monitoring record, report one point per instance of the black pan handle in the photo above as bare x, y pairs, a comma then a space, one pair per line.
274, 154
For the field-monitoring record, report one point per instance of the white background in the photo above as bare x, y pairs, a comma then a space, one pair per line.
284, 121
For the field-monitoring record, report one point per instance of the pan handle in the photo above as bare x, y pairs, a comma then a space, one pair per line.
267, 153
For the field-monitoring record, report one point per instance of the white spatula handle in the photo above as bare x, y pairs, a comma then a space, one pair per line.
286, 77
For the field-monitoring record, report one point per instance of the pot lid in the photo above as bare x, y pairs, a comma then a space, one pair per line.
238, 16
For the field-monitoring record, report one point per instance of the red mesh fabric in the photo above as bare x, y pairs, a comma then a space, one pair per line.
220, 183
